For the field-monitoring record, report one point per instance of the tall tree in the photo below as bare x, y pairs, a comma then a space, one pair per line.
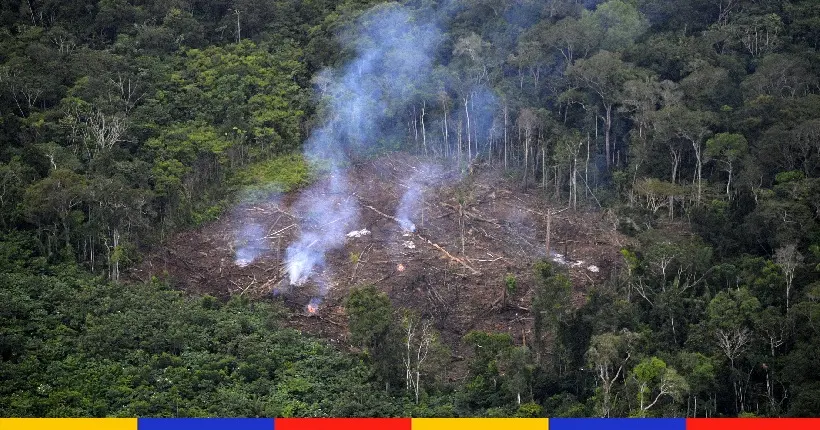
727, 149
604, 75
608, 355
691, 126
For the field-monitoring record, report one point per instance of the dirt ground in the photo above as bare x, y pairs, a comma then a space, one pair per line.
475, 228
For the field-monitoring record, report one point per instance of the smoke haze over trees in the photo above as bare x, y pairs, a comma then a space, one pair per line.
694, 125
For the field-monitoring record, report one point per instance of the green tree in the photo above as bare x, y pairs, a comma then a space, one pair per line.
370, 321
656, 381
616, 23
54, 203
700, 375
490, 352
731, 315
604, 75
608, 356
551, 305
693, 127
728, 149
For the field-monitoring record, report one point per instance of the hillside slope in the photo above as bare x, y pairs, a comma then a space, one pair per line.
472, 230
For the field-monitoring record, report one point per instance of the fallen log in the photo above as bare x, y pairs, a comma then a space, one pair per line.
275, 234
382, 213
359, 261
450, 256
320, 318
467, 213
429, 242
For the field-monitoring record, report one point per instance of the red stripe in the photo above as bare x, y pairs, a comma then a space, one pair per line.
342, 424
752, 424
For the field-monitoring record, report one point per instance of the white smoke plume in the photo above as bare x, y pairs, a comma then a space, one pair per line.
393, 57
410, 204
250, 243
329, 211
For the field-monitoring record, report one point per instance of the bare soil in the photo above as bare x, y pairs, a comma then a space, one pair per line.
475, 228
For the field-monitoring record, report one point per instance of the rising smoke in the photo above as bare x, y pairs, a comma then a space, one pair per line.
392, 60
362, 105
250, 240
410, 204
250, 243
328, 211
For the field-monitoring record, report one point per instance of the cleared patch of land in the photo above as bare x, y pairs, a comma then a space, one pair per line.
473, 228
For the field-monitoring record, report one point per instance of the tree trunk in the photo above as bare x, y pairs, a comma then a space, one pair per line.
699, 159
115, 264
607, 129
534, 159
586, 171
415, 128
467, 113
574, 183
475, 130
505, 137
446, 133
458, 142
526, 154
544, 165
675, 163
423, 130
238, 28
549, 233
789, 279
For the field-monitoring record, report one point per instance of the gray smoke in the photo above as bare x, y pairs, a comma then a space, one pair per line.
410, 203
329, 211
250, 242
392, 60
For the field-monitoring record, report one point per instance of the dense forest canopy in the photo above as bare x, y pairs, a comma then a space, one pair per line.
694, 123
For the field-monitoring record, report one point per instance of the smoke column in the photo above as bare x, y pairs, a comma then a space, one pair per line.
329, 212
392, 59
424, 176
250, 239
252, 244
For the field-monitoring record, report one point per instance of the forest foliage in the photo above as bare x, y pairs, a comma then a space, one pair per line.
694, 123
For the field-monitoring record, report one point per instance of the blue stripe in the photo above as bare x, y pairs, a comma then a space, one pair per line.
205, 424
617, 424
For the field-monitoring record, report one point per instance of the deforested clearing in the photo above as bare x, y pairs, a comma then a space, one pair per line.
473, 227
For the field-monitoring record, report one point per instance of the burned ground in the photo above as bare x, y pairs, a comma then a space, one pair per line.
472, 230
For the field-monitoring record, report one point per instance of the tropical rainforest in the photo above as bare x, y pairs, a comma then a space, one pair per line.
694, 123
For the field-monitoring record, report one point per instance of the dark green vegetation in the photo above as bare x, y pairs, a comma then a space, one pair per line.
695, 123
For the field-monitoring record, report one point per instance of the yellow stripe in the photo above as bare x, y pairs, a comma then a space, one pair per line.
68, 424
480, 423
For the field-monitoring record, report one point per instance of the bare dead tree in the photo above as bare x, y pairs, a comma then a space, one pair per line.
105, 130
788, 258
238, 28
733, 342
419, 338
129, 90
671, 384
